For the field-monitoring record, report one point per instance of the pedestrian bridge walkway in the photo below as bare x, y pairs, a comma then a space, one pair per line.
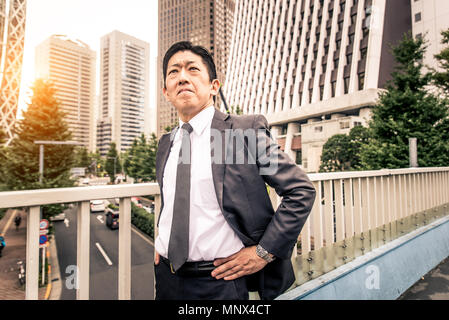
385, 217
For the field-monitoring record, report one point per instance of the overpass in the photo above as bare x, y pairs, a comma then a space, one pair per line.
370, 235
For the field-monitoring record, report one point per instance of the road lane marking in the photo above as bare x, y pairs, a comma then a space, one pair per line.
100, 218
105, 256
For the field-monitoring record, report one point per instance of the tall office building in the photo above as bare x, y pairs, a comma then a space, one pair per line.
124, 91
430, 17
70, 65
203, 22
313, 67
12, 38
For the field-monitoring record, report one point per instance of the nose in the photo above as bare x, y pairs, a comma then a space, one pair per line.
183, 77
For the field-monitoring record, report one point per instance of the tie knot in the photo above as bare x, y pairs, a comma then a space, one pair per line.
187, 127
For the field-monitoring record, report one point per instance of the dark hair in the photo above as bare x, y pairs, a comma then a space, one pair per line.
188, 46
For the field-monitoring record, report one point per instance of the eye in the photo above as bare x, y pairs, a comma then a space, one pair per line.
172, 71
193, 68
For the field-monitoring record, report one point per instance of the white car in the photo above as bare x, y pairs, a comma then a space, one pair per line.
97, 206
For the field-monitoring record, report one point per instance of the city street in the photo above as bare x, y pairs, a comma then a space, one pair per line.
103, 259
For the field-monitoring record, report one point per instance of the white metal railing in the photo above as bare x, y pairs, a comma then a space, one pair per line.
354, 212
33, 199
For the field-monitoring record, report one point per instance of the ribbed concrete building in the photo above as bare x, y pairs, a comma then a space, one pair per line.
203, 22
124, 91
70, 64
313, 67
12, 40
430, 17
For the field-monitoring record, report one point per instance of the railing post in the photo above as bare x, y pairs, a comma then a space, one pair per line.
124, 250
83, 250
32, 254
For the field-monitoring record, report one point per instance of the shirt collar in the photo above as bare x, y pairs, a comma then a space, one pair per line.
200, 121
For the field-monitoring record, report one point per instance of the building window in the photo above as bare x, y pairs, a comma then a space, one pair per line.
319, 129
361, 80
346, 82
357, 123
298, 159
418, 17
344, 125
333, 86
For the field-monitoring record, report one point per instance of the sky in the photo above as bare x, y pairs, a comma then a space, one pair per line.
88, 21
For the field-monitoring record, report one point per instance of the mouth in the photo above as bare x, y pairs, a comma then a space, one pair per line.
184, 90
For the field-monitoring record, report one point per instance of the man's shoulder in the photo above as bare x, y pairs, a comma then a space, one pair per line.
247, 121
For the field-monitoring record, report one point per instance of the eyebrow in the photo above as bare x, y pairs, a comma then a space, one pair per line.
180, 65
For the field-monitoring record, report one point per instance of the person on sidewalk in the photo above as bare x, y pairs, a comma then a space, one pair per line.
2, 244
17, 221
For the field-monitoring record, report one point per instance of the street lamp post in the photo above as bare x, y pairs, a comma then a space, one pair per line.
41, 153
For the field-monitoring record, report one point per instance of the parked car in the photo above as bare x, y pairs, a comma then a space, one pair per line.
58, 217
97, 206
112, 218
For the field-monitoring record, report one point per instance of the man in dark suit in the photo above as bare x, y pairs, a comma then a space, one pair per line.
219, 236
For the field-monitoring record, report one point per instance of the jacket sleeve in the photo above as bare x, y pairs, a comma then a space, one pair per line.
292, 184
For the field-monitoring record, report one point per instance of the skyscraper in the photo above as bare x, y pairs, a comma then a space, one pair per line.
313, 67
70, 65
124, 91
205, 23
12, 37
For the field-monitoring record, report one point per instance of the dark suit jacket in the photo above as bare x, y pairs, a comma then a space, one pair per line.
242, 195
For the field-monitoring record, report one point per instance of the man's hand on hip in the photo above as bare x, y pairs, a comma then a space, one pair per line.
242, 263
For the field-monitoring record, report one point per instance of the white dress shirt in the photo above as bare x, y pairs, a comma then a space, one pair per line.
210, 236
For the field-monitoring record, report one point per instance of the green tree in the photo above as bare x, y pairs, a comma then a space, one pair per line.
407, 109
112, 165
336, 154
441, 76
43, 120
140, 160
236, 110
82, 159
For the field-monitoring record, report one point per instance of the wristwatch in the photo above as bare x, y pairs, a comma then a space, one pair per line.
264, 254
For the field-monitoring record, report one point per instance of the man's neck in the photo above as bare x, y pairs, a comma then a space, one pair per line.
189, 116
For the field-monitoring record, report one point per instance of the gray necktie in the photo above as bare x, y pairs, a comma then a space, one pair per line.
178, 246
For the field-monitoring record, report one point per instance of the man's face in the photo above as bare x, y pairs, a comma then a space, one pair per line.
187, 85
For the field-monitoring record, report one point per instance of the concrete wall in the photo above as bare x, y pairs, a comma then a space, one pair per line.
384, 273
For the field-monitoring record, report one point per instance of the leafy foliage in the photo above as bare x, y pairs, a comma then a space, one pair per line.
407, 109
342, 152
43, 120
140, 160
112, 165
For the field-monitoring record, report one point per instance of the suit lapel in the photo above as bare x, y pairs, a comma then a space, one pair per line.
163, 152
220, 123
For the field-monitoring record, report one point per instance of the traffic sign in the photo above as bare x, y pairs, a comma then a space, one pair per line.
43, 231
43, 239
43, 224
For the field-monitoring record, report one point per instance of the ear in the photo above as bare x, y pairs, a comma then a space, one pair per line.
215, 86
164, 91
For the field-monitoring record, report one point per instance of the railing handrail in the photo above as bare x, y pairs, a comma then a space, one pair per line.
39, 197
371, 173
